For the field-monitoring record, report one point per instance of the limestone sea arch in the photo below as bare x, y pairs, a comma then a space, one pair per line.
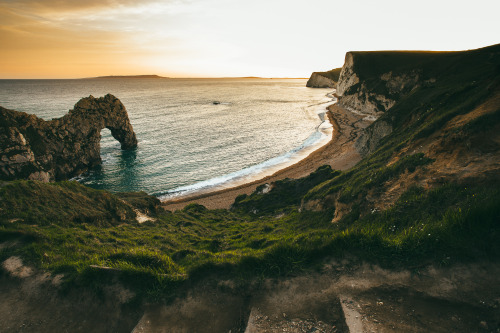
58, 149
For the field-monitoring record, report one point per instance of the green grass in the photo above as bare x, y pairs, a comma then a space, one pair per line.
62, 203
453, 222
284, 193
155, 259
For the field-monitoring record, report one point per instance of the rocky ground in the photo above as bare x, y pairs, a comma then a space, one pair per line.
345, 296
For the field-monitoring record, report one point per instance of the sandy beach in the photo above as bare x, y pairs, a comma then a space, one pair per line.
339, 153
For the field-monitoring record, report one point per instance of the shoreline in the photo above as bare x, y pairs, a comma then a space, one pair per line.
261, 170
338, 152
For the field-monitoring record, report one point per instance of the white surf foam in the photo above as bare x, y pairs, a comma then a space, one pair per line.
315, 141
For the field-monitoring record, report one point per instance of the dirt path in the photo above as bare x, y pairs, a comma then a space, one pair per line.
345, 296
32, 301
339, 153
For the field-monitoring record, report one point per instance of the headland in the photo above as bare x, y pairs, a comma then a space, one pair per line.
154, 76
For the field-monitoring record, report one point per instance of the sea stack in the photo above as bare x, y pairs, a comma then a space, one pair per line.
35, 149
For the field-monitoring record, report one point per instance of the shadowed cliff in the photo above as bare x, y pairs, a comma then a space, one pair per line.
327, 79
395, 85
32, 148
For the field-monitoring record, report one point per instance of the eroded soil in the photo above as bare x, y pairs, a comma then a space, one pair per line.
345, 296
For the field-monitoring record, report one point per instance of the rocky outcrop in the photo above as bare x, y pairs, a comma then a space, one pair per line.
319, 81
371, 136
371, 83
324, 79
32, 148
363, 89
445, 114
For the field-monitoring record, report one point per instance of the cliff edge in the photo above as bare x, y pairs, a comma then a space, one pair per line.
324, 79
437, 125
373, 83
35, 149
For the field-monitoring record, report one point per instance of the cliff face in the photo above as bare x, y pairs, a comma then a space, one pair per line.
324, 79
366, 90
372, 83
372, 94
32, 148
319, 81
371, 136
440, 125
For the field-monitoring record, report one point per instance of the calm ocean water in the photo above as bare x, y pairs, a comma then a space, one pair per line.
186, 142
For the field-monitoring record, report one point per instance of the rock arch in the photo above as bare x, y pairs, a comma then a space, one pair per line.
32, 148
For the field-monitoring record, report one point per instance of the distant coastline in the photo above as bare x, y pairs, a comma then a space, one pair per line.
162, 77
129, 77
166, 77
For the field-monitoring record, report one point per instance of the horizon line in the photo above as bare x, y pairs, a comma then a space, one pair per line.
159, 77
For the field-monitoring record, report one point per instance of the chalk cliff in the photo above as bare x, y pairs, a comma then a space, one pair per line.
324, 79
371, 83
32, 148
438, 124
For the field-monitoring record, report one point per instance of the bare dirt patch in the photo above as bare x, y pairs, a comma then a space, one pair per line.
346, 296
33, 301
14, 266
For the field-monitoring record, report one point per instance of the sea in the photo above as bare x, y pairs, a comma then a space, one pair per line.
195, 135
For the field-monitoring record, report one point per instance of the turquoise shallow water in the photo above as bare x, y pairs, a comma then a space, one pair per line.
186, 142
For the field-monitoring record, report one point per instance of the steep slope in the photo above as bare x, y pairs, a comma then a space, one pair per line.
446, 117
438, 169
372, 82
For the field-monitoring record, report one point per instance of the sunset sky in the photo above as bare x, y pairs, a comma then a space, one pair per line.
214, 38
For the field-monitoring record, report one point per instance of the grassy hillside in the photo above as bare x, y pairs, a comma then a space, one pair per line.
408, 204
458, 223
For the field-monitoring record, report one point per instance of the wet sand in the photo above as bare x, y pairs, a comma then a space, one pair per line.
339, 153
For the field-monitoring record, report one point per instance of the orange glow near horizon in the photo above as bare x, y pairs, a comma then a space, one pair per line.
223, 38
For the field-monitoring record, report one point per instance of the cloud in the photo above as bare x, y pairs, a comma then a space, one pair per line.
91, 40
126, 16
51, 6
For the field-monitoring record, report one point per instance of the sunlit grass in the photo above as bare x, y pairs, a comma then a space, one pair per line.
458, 223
